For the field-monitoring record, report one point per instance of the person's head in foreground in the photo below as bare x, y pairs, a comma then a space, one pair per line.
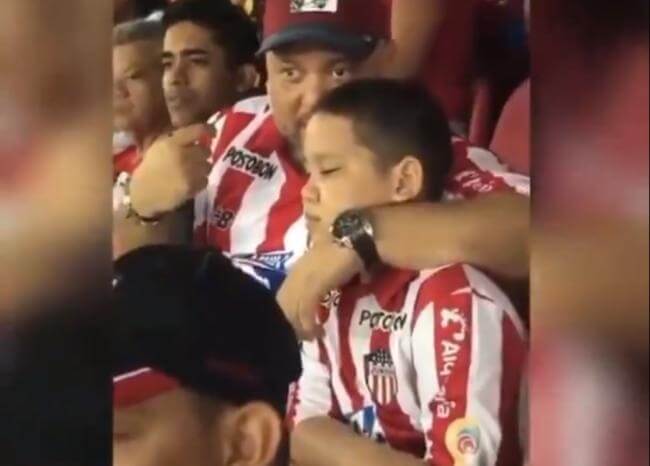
373, 142
313, 47
203, 360
208, 59
138, 101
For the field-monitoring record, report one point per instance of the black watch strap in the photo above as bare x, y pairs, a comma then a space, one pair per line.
365, 247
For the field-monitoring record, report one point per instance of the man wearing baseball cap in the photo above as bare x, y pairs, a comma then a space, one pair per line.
202, 361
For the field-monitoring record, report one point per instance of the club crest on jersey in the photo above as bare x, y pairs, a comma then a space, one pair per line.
463, 440
381, 377
314, 6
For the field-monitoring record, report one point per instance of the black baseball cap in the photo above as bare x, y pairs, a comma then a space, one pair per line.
186, 317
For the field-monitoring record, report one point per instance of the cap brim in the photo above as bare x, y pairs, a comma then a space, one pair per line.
334, 38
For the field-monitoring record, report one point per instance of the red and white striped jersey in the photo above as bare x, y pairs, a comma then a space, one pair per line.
429, 362
252, 208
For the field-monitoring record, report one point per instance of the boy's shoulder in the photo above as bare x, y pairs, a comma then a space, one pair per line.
414, 290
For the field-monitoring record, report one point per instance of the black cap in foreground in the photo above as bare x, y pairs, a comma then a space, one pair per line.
187, 317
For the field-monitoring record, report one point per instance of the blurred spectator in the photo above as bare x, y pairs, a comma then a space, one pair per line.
55, 120
208, 59
590, 269
410, 359
202, 358
138, 101
448, 44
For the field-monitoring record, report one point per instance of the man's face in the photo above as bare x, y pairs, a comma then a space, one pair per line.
297, 79
138, 102
165, 431
343, 174
197, 80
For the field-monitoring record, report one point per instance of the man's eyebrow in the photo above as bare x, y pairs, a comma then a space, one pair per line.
187, 52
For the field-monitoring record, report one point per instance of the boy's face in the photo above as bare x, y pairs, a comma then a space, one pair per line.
164, 431
343, 173
181, 428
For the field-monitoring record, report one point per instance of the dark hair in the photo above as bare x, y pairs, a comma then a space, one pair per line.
143, 8
395, 119
231, 28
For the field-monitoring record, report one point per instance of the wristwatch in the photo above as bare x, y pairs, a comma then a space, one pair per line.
124, 182
353, 230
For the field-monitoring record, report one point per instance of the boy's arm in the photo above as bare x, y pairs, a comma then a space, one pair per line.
469, 354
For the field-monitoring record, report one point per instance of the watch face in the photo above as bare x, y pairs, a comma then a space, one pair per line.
347, 225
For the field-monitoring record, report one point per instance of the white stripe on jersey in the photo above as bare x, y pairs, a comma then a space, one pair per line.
404, 364
360, 344
485, 376
487, 161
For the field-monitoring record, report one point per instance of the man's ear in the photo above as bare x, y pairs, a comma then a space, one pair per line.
254, 435
407, 179
247, 78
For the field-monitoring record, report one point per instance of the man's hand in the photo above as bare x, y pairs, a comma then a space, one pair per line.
325, 267
173, 171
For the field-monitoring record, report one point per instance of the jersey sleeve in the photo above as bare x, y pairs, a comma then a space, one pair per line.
477, 171
468, 358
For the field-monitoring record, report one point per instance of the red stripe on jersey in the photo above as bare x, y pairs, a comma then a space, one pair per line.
453, 350
288, 209
391, 289
292, 408
348, 371
228, 200
514, 355
234, 122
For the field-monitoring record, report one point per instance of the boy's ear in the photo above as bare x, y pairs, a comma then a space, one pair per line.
407, 179
253, 435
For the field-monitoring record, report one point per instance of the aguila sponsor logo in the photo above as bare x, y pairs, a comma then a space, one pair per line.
451, 321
